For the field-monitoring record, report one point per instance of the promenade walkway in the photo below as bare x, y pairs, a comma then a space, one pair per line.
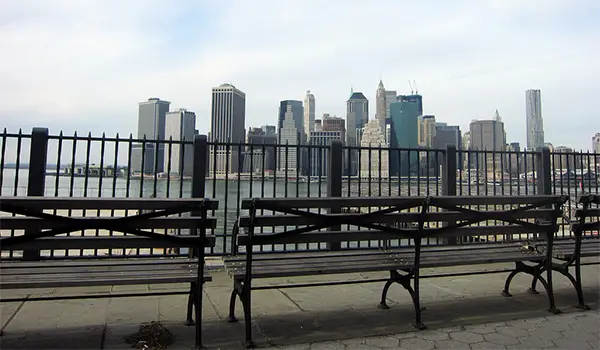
462, 313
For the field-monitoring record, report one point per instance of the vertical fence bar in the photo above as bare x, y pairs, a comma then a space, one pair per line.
334, 182
449, 181
37, 176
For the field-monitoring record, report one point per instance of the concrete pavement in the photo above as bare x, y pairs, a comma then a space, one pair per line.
462, 312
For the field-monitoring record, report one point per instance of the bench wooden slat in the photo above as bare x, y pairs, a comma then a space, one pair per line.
54, 282
330, 202
117, 261
334, 202
25, 223
110, 242
588, 213
380, 262
117, 203
373, 235
294, 220
92, 268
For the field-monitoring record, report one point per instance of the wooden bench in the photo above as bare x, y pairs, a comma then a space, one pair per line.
390, 218
569, 251
45, 230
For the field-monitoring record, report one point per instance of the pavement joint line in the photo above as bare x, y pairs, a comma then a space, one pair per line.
291, 300
14, 314
212, 304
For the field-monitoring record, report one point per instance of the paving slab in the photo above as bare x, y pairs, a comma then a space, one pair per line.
461, 312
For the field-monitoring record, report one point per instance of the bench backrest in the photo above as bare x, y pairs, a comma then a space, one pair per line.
587, 216
399, 217
105, 223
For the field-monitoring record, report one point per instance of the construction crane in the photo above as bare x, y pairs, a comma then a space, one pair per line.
411, 87
416, 88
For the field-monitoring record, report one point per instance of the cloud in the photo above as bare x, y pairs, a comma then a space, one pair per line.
84, 65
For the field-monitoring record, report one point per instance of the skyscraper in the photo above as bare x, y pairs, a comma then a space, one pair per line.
374, 163
403, 134
297, 116
309, 113
535, 123
427, 131
180, 126
596, 143
416, 98
147, 157
228, 119
357, 116
287, 158
380, 106
488, 135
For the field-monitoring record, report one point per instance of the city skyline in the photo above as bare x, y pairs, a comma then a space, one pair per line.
467, 57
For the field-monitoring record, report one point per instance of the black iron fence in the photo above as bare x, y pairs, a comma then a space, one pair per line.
90, 166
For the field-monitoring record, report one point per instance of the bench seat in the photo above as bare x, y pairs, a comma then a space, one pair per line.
73, 273
293, 264
564, 249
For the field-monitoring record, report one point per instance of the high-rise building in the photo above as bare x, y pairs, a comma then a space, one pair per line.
391, 96
147, 157
287, 157
488, 135
596, 143
535, 123
380, 105
427, 131
228, 119
180, 126
319, 156
297, 111
260, 153
357, 116
374, 162
403, 134
309, 112
416, 98
333, 123
449, 135
269, 129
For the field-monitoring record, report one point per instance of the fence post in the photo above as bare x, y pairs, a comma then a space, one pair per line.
334, 182
544, 171
199, 169
36, 181
449, 168
198, 176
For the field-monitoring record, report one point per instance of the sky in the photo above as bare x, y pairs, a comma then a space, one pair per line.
83, 65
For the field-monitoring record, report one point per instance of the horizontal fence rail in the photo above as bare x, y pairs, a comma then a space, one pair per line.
76, 165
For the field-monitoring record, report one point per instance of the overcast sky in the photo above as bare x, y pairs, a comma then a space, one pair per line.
85, 64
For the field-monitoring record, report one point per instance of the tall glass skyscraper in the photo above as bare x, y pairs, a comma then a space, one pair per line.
404, 134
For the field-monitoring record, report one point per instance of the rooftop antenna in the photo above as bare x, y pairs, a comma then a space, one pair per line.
416, 88
411, 87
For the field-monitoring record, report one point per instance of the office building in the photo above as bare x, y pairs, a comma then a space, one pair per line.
180, 125
319, 156
374, 163
403, 134
297, 111
309, 112
228, 119
269, 129
287, 155
449, 135
149, 157
260, 153
415, 98
488, 135
426, 130
357, 116
596, 143
535, 123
